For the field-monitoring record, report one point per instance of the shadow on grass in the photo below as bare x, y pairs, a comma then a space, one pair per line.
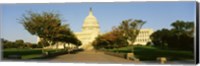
24, 55
147, 53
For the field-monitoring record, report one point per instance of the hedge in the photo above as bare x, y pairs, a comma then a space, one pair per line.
152, 53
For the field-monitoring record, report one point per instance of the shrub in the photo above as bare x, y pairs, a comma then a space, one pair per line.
151, 53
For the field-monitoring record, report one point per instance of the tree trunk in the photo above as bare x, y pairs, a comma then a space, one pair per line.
43, 46
132, 47
50, 45
57, 46
64, 45
68, 48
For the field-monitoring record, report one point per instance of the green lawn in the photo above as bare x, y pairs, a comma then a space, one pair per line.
151, 53
29, 53
32, 56
16, 51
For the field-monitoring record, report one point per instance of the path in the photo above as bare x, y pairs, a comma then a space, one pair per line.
90, 57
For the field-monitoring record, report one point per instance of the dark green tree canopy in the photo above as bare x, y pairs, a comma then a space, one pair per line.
180, 37
47, 25
41, 24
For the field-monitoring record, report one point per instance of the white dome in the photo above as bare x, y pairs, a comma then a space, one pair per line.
90, 21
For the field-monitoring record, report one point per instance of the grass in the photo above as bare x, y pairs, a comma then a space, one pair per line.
151, 53
29, 53
15, 51
32, 56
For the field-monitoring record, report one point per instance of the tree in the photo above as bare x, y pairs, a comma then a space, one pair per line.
74, 40
65, 35
20, 43
112, 39
180, 37
184, 32
8, 44
100, 43
43, 43
131, 29
44, 25
149, 44
118, 39
127, 30
5, 43
160, 38
47, 26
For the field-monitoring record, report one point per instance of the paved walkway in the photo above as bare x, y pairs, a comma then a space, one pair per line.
100, 57
90, 57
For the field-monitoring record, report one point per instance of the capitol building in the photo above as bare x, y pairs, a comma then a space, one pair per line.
91, 29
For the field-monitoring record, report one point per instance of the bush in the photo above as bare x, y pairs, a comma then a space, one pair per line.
148, 53
151, 53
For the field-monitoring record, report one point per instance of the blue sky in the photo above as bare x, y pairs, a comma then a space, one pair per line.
157, 15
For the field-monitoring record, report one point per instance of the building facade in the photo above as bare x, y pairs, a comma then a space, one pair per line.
143, 37
91, 29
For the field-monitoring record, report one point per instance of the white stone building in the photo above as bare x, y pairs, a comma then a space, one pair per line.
143, 37
91, 29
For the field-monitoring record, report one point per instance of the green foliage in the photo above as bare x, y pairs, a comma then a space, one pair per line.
18, 44
43, 43
127, 30
149, 44
180, 37
44, 25
152, 53
65, 35
131, 29
113, 39
41, 24
47, 25
8, 44
148, 53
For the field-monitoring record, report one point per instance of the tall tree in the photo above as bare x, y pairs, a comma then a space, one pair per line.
184, 32
180, 37
44, 25
181, 27
65, 35
160, 38
131, 29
